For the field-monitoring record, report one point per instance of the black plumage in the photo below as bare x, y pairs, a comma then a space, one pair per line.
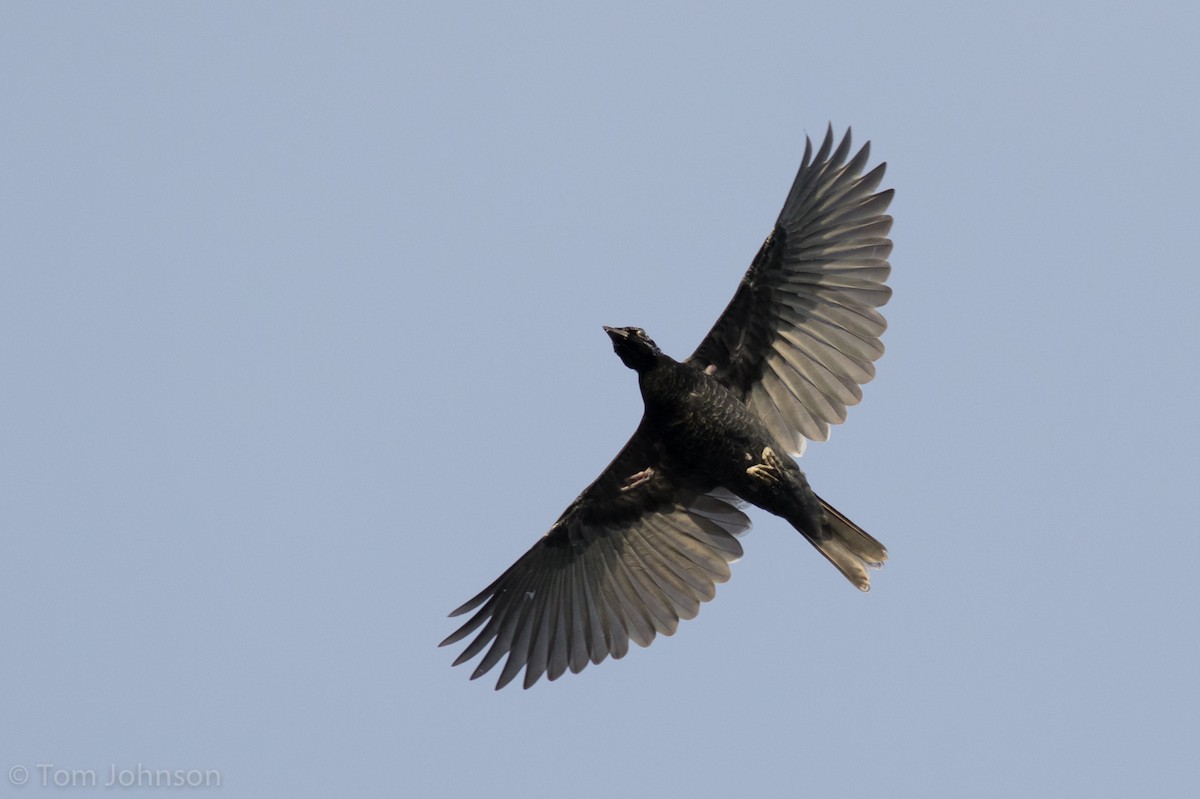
648, 541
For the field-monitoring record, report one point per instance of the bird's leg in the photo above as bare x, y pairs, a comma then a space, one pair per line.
770, 471
637, 478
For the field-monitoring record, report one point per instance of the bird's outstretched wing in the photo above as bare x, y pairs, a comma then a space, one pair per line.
630, 557
802, 332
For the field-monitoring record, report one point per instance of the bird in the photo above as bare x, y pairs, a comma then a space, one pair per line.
648, 541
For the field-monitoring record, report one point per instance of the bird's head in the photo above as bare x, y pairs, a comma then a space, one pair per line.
634, 347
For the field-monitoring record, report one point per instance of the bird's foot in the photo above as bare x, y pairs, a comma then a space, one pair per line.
637, 478
770, 470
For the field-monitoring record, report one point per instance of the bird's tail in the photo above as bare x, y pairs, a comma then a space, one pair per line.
848, 546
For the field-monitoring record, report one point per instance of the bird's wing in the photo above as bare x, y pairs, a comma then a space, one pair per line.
631, 556
802, 332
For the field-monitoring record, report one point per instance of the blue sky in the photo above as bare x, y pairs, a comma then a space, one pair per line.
300, 336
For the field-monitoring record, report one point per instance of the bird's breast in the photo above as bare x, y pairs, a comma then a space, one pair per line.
707, 432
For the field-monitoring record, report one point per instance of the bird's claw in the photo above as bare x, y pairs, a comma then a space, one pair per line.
770, 470
637, 478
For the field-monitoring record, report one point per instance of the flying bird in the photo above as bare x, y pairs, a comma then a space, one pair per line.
648, 541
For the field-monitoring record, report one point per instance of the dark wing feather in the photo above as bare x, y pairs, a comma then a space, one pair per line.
620, 564
802, 332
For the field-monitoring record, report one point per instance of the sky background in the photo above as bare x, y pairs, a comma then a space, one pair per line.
300, 347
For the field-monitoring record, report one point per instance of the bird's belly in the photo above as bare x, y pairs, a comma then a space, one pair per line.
715, 442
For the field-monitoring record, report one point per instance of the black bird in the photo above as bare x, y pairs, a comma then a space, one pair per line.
647, 542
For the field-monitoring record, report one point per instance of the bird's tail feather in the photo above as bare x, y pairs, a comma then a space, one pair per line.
848, 546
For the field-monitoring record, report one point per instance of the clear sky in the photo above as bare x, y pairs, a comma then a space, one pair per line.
300, 346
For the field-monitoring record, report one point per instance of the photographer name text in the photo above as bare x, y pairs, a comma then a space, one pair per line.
49, 775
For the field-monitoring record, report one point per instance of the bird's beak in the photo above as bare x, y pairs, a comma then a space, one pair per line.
616, 334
